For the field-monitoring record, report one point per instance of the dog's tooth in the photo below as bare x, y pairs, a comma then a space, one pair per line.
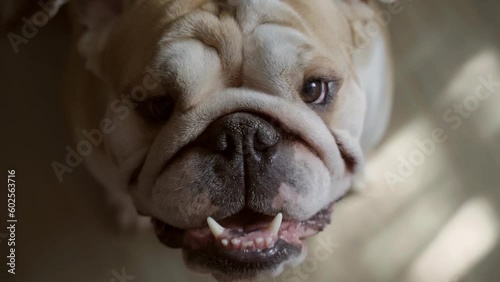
235, 242
224, 242
216, 228
259, 240
274, 226
269, 241
247, 244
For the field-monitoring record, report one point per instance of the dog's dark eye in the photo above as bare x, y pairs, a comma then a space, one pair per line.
316, 91
156, 109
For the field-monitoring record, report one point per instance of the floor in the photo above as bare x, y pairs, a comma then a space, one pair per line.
430, 213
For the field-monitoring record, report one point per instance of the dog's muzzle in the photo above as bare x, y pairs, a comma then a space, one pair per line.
251, 173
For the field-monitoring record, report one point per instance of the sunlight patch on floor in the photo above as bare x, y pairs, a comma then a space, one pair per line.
468, 237
466, 79
401, 235
476, 88
404, 157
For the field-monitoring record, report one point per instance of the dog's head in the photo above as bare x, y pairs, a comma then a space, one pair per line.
243, 114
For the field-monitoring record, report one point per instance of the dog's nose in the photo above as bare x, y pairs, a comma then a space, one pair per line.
241, 133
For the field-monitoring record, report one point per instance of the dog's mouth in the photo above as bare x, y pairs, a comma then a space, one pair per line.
244, 245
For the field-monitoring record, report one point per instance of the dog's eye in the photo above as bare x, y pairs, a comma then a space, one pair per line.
316, 91
156, 109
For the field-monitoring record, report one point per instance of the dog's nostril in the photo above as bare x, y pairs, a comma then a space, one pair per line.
265, 139
240, 133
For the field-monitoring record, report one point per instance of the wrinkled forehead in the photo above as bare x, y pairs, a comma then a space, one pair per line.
195, 39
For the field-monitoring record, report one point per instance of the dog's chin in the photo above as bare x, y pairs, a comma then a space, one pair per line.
247, 249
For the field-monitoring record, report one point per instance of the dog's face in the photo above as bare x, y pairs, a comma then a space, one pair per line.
247, 112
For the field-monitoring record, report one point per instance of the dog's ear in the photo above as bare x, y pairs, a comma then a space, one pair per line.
97, 18
359, 13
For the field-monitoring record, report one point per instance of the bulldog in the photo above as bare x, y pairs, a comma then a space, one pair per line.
231, 126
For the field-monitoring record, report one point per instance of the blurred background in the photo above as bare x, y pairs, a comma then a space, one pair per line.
430, 211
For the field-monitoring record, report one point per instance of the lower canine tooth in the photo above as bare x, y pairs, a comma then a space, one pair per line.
216, 228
